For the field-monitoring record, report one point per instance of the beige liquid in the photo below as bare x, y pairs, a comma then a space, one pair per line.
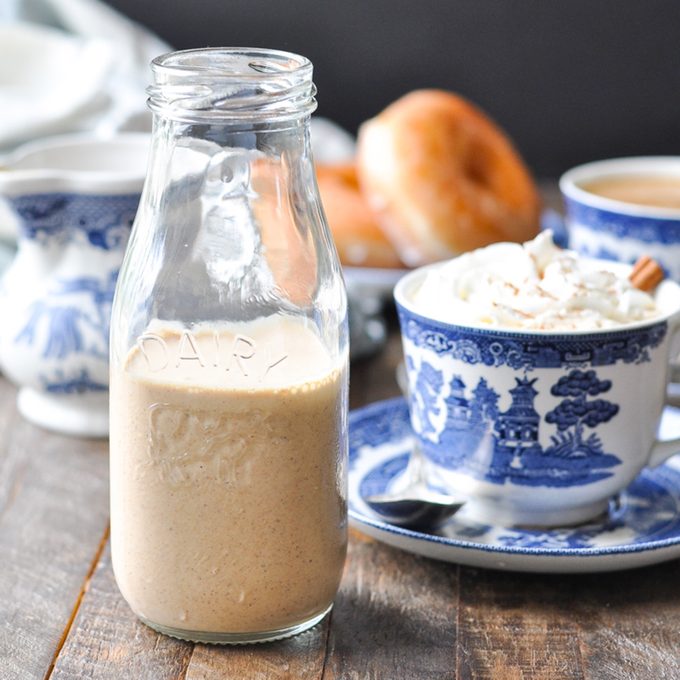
659, 192
228, 507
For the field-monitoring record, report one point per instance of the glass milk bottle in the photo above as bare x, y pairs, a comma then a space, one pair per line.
229, 361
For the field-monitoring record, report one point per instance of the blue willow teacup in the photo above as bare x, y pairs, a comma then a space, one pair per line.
620, 230
537, 427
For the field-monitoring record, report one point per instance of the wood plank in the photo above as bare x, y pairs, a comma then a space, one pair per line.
107, 640
395, 613
630, 623
517, 626
596, 627
292, 659
53, 513
395, 616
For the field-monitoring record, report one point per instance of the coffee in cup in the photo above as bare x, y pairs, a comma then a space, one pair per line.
655, 191
623, 208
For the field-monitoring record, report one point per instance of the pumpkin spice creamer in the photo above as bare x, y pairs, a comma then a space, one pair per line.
239, 513
229, 361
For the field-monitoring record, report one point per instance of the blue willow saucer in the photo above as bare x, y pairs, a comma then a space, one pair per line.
642, 525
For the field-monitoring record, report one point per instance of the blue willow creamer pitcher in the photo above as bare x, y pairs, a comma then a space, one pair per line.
74, 198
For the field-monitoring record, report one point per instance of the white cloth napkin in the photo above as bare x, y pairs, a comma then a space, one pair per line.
71, 65
78, 65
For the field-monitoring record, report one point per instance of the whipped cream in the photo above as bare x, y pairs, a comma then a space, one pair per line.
534, 286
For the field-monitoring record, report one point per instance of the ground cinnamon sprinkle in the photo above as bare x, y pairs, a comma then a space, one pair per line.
646, 274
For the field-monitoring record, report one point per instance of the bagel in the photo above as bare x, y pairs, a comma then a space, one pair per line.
358, 237
443, 178
289, 251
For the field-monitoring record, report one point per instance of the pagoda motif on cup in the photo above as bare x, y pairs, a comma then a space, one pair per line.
457, 406
504, 445
517, 428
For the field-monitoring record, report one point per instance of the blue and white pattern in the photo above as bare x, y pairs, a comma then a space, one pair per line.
656, 230
77, 382
474, 395
101, 221
57, 296
523, 351
643, 518
620, 237
503, 445
553, 221
71, 324
76, 317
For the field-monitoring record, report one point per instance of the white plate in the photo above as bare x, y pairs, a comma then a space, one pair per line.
375, 282
380, 283
642, 527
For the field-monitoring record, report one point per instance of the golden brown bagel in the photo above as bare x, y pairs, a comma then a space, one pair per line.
289, 250
443, 179
358, 237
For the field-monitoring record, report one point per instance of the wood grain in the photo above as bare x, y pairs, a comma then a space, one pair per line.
298, 657
517, 626
597, 627
107, 641
630, 623
53, 513
395, 616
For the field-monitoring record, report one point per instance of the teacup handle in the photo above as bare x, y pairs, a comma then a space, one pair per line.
662, 450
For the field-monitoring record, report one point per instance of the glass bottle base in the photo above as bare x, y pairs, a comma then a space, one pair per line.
237, 638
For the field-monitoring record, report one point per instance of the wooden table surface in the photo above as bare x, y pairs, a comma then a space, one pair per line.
397, 615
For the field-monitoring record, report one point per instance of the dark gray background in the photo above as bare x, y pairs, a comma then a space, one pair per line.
569, 80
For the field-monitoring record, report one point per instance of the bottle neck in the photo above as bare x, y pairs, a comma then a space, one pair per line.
270, 138
232, 86
230, 107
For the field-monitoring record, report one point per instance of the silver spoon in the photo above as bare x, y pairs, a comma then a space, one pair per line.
413, 504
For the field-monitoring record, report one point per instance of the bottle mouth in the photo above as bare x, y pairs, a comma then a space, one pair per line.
232, 84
